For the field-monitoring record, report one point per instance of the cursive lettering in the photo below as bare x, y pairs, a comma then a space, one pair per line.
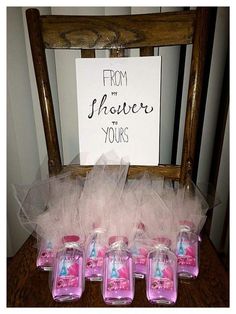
120, 109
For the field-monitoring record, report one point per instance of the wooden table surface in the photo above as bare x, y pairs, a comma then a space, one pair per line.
28, 287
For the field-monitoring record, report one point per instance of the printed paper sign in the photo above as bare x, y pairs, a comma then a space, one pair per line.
119, 108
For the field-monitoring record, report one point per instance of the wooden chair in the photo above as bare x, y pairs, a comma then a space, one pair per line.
117, 33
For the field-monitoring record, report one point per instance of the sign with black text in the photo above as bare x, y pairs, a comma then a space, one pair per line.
119, 108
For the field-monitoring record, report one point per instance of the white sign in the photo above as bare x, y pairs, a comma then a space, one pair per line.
119, 108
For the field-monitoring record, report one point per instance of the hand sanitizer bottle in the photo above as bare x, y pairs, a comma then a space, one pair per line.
139, 251
68, 272
118, 280
161, 279
46, 255
187, 251
95, 253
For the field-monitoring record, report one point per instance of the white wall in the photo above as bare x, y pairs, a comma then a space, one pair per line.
222, 190
26, 146
22, 148
219, 54
170, 67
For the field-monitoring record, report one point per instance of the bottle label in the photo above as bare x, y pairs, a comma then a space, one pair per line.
186, 253
68, 273
95, 255
118, 274
162, 276
46, 254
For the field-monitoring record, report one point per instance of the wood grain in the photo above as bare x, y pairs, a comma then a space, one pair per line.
44, 91
28, 287
194, 103
131, 31
146, 51
117, 53
168, 171
87, 53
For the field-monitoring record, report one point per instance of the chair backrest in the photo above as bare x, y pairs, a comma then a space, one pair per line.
144, 31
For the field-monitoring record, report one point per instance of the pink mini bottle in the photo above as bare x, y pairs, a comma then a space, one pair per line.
187, 251
118, 280
95, 253
161, 279
46, 255
68, 272
139, 251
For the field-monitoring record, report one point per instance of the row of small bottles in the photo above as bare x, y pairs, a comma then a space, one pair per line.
117, 266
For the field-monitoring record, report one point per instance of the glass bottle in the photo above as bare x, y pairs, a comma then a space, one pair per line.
68, 271
161, 279
187, 251
95, 253
139, 251
118, 278
46, 255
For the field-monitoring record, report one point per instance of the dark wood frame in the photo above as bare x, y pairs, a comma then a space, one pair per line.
117, 33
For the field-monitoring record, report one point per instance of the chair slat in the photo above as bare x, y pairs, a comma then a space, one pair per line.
168, 171
87, 53
101, 32
117, 53
146, 51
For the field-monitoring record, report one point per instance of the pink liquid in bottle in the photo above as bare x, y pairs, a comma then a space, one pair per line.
68, 272
94, 257
161, 279
118, 280
139, 251
45, 258
187, 252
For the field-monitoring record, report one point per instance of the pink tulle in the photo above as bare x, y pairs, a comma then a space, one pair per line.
123, 216
102, 184
50, 207
107, 202
187, 203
